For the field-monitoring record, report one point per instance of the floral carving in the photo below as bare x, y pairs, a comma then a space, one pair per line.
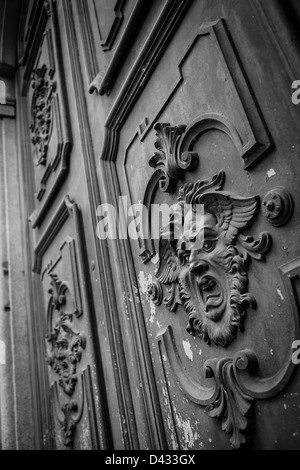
67, 344
169, 157
41, 113
227, 397
232, 406
207, 265
68, 424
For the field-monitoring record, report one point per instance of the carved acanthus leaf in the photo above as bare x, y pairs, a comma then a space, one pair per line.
169, 157
69, 414
232, 406
256, 248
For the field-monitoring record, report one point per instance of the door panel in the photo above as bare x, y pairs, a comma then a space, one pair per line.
205, 117
71, 385
152, 342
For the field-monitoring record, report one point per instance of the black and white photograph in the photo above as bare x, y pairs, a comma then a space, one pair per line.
150, 228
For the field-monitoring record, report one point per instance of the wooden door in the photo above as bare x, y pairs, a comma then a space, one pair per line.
155, 343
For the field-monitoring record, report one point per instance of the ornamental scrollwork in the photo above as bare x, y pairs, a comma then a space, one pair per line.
41, 113
169, 157
67, 344
207, 265
64, 354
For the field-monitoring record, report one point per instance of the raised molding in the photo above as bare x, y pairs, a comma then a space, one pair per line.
90, 51
253, 141
69, 211
91, 408
36, 28
108, 42
103, 83
107, 283
152, 420
260, 9
59, 163
57, 221
155, 45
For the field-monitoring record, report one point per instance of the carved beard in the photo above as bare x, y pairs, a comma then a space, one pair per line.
222, 333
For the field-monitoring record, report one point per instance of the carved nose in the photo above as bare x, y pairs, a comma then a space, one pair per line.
198, 266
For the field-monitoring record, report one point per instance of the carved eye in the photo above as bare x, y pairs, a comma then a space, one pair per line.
209, 245
183, 253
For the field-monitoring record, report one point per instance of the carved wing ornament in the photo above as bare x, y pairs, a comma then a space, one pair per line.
211, 282
206, 271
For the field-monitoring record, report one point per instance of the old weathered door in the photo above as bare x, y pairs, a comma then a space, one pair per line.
158, 342
64, 293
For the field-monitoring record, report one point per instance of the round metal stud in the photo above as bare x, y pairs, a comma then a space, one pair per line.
278, 206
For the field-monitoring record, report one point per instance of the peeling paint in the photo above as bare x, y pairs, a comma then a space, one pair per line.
155, 259
271, 173
2, 353
144, 283
188, 350
280, 294
188, 435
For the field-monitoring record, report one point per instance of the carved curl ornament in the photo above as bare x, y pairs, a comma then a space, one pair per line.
206, 270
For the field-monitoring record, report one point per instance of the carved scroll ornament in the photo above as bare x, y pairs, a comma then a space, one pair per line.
168, 156
64, 354
211, 282
67, 345
206, 271
41, 113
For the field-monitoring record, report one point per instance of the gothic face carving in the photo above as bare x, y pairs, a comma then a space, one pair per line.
210, 260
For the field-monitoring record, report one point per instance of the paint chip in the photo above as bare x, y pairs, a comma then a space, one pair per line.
2, 354
155, 259
271, 173
187, 349
280, 294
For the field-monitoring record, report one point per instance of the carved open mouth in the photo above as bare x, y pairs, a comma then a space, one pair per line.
211, 296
